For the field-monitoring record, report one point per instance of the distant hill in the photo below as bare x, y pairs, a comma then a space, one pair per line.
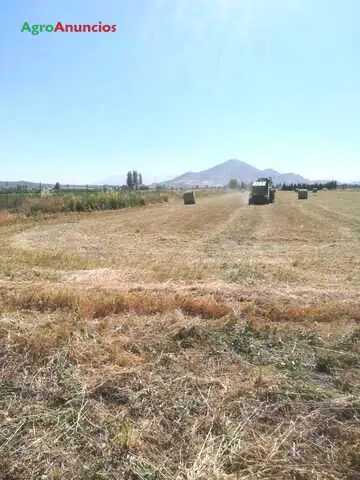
222, 173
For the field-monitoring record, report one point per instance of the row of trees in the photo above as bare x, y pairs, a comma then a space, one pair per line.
349, 185
235, 185
133, 179
315, 186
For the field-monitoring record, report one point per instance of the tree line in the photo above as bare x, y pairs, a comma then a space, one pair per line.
332, 185
236, 185
314, 186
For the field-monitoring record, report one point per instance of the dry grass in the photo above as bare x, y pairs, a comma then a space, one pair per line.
4, 215
95, 304
178, 343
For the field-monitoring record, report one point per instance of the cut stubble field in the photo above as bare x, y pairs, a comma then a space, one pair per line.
215, 341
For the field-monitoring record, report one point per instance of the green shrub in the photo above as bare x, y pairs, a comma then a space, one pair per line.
325, 364
87, 202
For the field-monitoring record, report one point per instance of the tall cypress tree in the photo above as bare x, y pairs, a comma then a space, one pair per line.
135, 179
129, 180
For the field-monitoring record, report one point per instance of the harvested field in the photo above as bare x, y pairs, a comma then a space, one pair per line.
215, 342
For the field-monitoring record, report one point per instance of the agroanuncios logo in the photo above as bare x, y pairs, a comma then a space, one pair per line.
66, 28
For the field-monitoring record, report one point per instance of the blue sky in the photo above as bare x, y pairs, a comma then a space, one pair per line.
182, 85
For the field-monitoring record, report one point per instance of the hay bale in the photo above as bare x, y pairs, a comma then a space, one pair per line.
303, 194
189, 198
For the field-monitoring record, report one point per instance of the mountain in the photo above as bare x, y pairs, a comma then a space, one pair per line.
222, 173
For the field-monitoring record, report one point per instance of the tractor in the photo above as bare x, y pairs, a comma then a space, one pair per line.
262, 192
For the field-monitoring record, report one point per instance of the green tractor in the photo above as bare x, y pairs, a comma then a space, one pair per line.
262, 192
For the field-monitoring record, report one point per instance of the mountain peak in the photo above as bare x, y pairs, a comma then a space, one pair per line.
233, 168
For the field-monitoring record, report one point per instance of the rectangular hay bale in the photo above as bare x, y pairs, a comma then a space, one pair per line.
189, 198
303, 194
